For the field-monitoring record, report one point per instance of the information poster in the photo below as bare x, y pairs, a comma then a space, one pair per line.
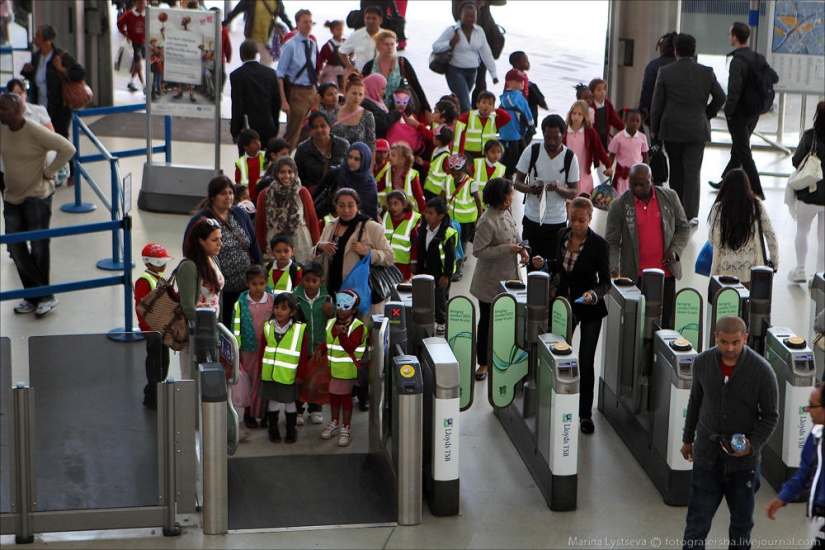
688, 316
184, 61
509, 362
461, 336
797, 45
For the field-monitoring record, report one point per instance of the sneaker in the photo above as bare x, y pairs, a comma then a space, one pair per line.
796, 275
693, 222
345, 437
131, 87
45, 306
440, 329
299, 421
25, 307
317, 417
332, 429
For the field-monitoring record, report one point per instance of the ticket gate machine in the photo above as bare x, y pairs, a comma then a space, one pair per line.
726, 296
646, 382
759, 308
792, 362
817, 304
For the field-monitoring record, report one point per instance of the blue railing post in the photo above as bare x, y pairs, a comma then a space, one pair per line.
167, 137
127, 333
78, 206
114, 264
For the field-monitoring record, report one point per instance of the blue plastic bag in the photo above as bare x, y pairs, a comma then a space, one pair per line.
704, 260
358, 281
459, 250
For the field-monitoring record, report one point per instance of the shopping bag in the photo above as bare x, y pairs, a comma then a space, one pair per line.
358, 281
603, 194
242, 390
704, 260
315, 386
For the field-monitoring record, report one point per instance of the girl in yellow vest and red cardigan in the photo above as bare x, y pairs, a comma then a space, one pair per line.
345, 345
401, 230
283, 365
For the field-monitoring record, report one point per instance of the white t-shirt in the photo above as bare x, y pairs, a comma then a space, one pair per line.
548, 170
37, 113
361, 43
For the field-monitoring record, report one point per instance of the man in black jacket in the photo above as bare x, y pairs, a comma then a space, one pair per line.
255, 95
742, 119
734, 392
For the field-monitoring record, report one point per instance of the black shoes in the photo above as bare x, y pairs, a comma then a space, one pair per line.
587, 426
250, 422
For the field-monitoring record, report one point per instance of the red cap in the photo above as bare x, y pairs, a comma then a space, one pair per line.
382, 145
155, 254
513, 74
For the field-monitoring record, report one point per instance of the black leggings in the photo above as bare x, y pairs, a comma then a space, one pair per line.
482, 332
587, 353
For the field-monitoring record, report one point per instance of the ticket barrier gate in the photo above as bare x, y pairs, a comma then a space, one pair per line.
792, 362
759, 308
817, 304
726, 296
534, 387
647, 376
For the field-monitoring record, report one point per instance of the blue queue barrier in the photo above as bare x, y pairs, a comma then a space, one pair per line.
122, 334
115, 203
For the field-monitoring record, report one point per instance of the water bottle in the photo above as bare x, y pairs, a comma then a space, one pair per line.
738, 443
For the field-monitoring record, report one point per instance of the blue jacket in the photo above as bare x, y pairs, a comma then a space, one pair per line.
804, 476
515, 104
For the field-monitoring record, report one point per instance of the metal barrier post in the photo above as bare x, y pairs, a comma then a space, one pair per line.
167, 137
408, 393
79, 207
127, 333
215, 488
168, 455
115, 263
23, 465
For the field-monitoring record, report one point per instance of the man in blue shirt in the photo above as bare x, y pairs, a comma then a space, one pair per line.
810, 472
298, 77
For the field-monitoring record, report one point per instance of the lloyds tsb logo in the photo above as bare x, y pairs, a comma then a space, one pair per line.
567, 417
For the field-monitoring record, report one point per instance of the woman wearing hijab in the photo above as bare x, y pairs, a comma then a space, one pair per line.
355, 174
286, 207
375, 85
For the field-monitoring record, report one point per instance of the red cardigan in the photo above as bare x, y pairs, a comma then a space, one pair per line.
593, 146
612, 117
310, 217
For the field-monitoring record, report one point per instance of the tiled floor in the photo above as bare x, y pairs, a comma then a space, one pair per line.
500, 505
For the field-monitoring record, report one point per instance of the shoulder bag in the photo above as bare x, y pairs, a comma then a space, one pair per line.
383, 278
76, 93
162, 312
237, 238
809, 171
441, 60
768, 261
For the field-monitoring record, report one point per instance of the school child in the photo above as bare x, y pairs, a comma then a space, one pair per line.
333, 213
405, 127
382, 159
436, 255
250, 167
583, 93
242, 199
317, 307
283, 365
488, 166
346, 341
252, 310
330, 66
155, 258
606, 115
445, 115
628, 148
582, 139
401, 230
463, 203
475, 128
284, 272
516, 135
434, 184
156, 66
401, 175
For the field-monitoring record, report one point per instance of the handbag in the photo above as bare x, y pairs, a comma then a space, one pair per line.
658, 164
76, 94
768, 261
603, 194
162, 312
808, 172
355, 19
242, 390
315, 386
439, 61
382, 278
704, 260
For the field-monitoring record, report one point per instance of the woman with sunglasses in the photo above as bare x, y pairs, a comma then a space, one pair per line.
199, 277
240, 246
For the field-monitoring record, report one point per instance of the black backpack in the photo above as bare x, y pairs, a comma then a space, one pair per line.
757, 91
534, 156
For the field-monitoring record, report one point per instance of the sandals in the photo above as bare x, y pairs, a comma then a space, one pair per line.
481, 375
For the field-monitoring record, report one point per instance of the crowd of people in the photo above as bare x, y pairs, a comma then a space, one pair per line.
367, 166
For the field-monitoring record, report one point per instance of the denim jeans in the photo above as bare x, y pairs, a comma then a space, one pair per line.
707, 487
32, 264
460, 82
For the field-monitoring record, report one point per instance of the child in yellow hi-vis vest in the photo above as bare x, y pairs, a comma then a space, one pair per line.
284, 272
461, 194
401, 230
283, 365
345, 344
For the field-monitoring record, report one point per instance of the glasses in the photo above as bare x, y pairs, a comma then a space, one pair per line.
213, 222
812, 406
10, 96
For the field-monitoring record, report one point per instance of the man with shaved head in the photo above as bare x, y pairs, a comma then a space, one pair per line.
647, 228
734, 392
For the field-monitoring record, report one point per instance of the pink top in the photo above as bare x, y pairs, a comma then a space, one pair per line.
628, 149
576, 143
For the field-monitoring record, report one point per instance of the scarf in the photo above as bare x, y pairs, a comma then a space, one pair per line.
282, 212
363, 176
372, 90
